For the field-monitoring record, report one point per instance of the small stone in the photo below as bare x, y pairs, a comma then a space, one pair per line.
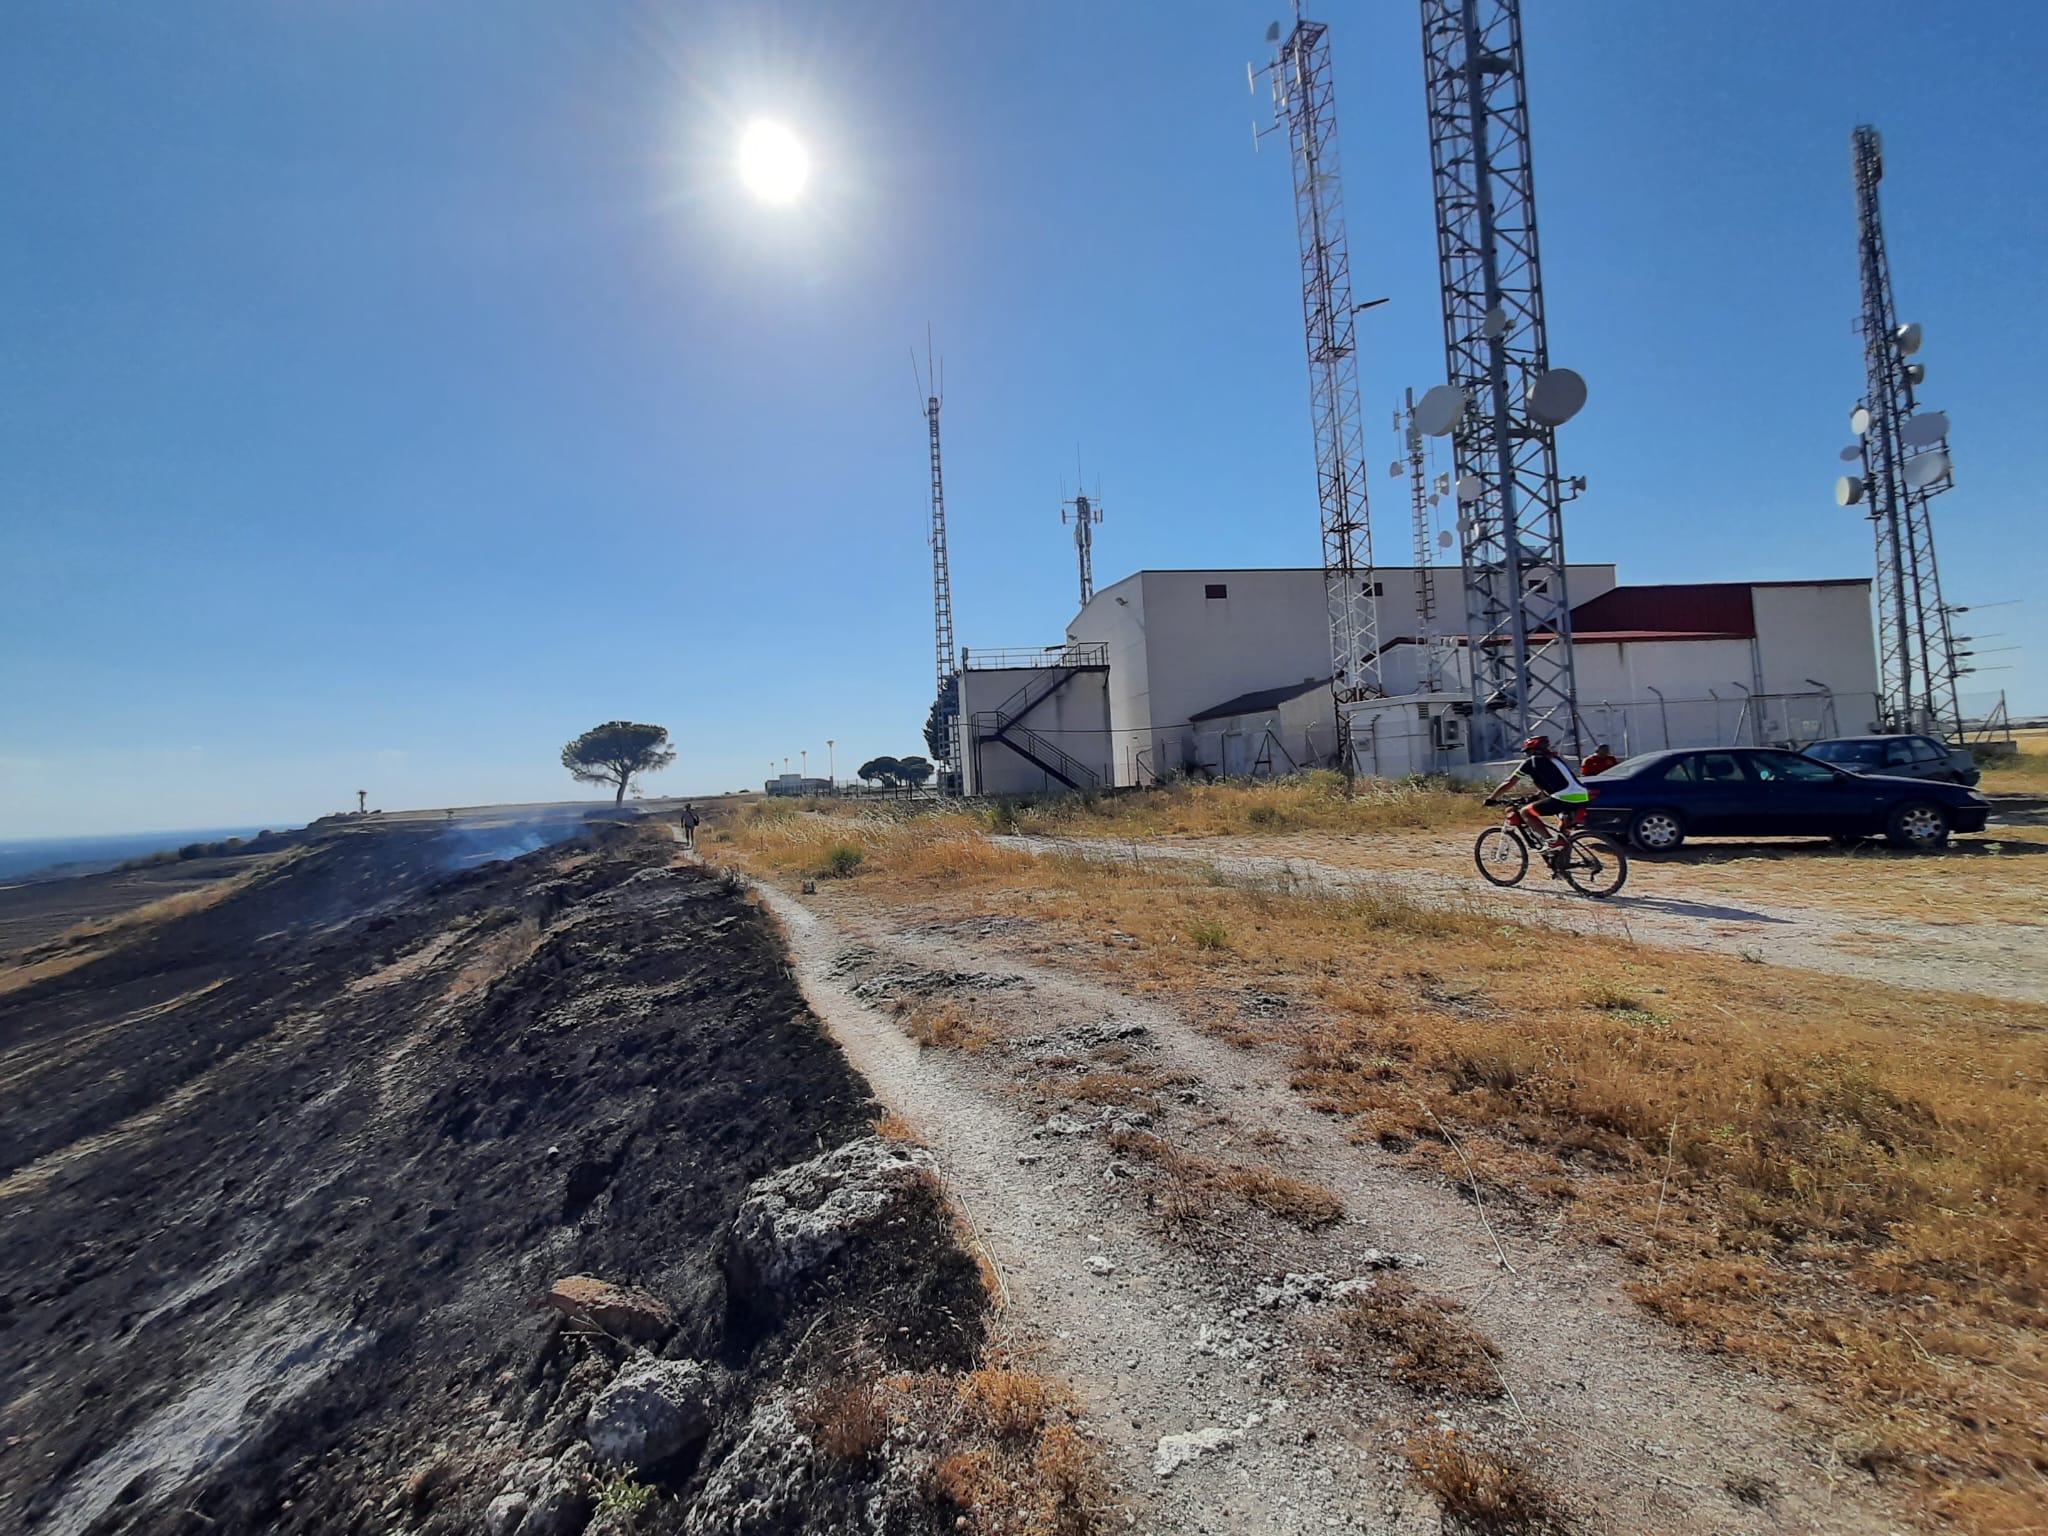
1176, 1451
619, 1310
1099, 1264
503, 1514
651, 1410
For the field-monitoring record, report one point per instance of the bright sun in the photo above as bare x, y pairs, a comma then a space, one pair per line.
773, 162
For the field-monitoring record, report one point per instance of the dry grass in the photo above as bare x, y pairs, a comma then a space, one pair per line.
1844, 1182
943, 1024
1313, 801
1490, 1491
2026, 773
1186, 1186
891, 1126
1424, 1342
496, 953
848, 1420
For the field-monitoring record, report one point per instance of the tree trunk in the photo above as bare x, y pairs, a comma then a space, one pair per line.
620, 797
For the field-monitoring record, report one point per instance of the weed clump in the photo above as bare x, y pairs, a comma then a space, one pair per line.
841, 860
1489, 1491
1208, 933
1423, 1341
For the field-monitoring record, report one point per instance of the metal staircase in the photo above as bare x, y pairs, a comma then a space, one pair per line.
1004, 724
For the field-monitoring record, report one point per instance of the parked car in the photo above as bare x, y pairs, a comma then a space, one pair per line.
1899, 757
1660, 799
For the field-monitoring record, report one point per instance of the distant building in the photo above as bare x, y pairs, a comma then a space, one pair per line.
1226, 672
797, 784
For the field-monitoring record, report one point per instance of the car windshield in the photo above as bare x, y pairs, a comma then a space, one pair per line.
1854, 753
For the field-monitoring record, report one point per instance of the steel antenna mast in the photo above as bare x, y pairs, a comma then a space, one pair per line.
1304, 102
1425, 552
1503, 402
942, 577
1905, 462
1084, 514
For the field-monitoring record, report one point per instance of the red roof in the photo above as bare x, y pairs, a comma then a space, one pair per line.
1701, 610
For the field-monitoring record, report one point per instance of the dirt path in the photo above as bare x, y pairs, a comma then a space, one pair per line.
2006, 959
1163, 1335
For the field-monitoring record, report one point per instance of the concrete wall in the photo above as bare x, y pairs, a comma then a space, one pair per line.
1295, 734
1174, 651
1074, 716
1822, 632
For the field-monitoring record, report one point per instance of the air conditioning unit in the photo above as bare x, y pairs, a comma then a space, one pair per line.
1450, 732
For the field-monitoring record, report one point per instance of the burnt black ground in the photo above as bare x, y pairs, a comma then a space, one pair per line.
273, 1238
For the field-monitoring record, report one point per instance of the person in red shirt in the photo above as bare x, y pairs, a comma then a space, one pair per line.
1599, 761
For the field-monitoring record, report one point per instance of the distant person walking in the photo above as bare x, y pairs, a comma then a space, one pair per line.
689, 820
1599, 762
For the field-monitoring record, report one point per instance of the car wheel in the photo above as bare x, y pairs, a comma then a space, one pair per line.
1656, 831
1917, 824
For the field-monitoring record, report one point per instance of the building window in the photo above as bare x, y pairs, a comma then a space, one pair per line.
1376, 589
1215, 589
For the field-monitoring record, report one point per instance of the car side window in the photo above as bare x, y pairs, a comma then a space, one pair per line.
1683, 770
1898, 754
1788, 767
1719, 768
1928, 751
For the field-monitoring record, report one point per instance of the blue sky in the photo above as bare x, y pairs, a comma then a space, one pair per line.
393, 388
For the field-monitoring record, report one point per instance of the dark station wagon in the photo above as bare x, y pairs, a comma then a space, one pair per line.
1898, 757
1660, 799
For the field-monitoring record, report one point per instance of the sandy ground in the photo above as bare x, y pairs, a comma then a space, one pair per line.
1163, 1335
1972, 920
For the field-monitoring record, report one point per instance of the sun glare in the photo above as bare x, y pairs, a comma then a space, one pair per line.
773, 162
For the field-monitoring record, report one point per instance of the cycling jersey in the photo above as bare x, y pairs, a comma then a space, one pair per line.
1554, 776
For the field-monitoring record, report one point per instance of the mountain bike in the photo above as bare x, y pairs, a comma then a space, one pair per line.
1592, 863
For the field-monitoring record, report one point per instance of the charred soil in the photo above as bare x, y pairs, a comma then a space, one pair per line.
285, 1183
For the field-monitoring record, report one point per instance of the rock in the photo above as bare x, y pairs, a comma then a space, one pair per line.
1176, 1451
651, 1410
560, 1510
619, 1310
503, 1514
797, 1218
763, 1484
1099, 1264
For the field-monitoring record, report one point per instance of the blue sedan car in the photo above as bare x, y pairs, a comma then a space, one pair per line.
1660, 799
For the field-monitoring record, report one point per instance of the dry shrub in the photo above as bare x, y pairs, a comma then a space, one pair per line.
845, 1419
1186, 1185
1309, 1206
891, 1126
943, 1023
1490, 1491
1111, 1086
1010, 1461
1423, 1341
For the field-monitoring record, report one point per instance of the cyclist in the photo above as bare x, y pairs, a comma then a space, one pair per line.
1561, 791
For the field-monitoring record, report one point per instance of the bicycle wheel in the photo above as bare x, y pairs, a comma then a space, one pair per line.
1501, 855
1594, 865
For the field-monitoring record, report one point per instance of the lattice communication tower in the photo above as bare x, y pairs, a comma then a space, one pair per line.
1505, 401
1905, 462
1305, 104
1421, 502
942, 576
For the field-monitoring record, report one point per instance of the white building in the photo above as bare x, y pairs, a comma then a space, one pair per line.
1226, 673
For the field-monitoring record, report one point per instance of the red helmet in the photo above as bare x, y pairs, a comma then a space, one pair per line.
1536, 744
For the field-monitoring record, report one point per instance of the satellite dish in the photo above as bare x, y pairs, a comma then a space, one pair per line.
1438, 412
1859, 421
1848, 490
1470, 488
1923, 469
1434, 498
1908, 338
1494, 323
1916, 373
1925, 431
1556, 398
1394, 469
1851, 454
1443, 540
1273, 32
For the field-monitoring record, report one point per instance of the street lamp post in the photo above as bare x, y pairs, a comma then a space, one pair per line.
831, 764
